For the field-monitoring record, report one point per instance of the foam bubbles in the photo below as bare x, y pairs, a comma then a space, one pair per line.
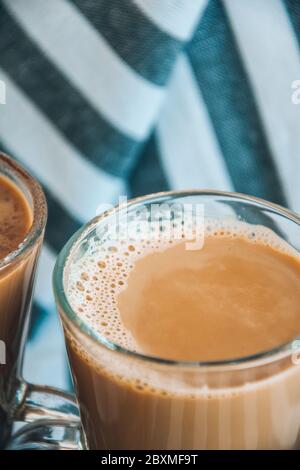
97, 278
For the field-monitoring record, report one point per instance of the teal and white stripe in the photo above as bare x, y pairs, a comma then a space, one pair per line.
272, 62
192, 156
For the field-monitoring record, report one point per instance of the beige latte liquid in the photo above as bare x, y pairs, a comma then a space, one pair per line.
237, 296
15, 283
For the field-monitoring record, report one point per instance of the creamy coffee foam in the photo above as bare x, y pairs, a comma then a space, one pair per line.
96, 279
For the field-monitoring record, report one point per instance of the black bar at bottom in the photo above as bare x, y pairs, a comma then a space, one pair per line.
135, 459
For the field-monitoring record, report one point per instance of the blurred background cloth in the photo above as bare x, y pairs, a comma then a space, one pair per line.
127, 97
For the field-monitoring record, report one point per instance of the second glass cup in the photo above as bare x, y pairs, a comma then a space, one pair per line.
19, 400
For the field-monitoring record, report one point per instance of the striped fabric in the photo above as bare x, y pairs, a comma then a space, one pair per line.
114, 97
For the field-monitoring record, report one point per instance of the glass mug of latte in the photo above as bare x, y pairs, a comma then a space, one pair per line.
181, 314
23, 216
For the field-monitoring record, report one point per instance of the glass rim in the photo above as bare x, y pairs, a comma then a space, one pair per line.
39, 216
267, 356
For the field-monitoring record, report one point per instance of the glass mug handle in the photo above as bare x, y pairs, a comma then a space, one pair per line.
52, 416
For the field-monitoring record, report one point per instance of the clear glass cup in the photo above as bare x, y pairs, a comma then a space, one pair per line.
19, 400
243, 403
